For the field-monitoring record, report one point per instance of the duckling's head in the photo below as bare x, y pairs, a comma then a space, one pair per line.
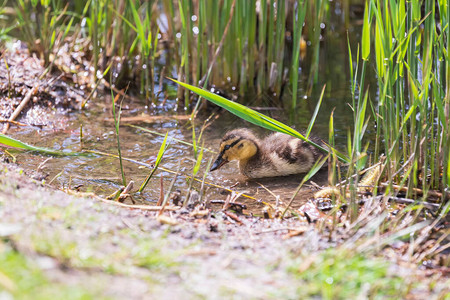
238, 144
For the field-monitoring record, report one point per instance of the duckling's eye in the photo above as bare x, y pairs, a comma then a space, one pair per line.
227, 147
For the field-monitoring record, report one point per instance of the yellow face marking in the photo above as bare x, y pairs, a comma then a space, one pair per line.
237, 149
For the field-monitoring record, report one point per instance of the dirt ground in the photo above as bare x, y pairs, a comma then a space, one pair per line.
112, 252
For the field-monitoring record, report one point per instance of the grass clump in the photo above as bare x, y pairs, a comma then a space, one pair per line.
341, 274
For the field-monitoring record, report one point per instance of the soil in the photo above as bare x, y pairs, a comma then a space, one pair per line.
130, 253
211, 254
20, 72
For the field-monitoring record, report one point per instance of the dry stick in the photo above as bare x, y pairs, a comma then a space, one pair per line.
426, 231
161, 190
126, 192
13, 122
415, 190
42, 164
234, 204
233, 216
432, 206
143, 207
117, 91
434, 250
277, 197
19, 109
345, 181
166, 198
428, 205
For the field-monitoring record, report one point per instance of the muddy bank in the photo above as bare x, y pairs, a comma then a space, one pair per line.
22, 77
107, 251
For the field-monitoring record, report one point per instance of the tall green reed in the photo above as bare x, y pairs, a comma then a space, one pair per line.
253, 59
297, 21
317, 10
116, 117
126, 33
42, 25
165, 144
410, 56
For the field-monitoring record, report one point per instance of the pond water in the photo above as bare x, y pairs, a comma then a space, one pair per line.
101, 174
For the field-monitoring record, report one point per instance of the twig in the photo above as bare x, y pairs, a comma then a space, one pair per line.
415, 190
13, 122
143, 207
169, 190
235, 204
233, 216
126, 192
275, 230
231, 199
277, 197
121, 93
345, 181
161, 190
41, 165
431, 206
19, 109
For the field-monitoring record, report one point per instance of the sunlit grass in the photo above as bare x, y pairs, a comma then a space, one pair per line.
22, 278
412, 127
342, 274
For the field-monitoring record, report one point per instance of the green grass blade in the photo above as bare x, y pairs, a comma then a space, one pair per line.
315, 168
253, 116
198, 163
366, 34
350, 58
116, 129
161, 152
9, 141
316, 111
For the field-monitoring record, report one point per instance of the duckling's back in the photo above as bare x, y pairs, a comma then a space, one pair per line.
290, 155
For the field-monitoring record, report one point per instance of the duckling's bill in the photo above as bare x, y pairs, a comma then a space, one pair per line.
220, 161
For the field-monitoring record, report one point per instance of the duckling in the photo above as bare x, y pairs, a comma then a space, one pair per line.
276, 155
